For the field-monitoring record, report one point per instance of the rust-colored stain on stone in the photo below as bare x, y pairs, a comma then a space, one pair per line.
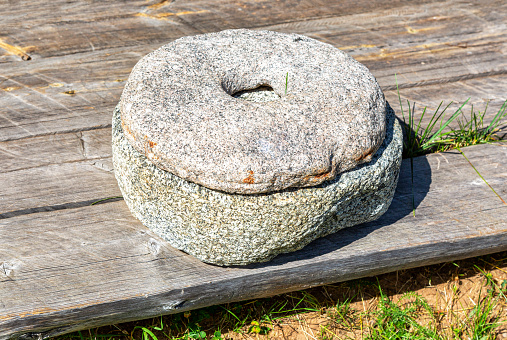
324, 175
249, 179
127, 130
366, 155
314, 179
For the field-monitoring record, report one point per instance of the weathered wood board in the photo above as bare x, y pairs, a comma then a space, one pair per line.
42, 30
80, 64
94, 265
67, 265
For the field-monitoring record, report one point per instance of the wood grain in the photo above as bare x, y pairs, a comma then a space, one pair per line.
56, 172
57, 28
425, 44
481, 91
95, 265
66, 170
45, 150
56, 186
428, 44
66, 265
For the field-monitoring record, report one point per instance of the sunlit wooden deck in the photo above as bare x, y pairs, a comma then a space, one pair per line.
67, 265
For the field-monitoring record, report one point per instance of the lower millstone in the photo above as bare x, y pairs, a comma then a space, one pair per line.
233, 229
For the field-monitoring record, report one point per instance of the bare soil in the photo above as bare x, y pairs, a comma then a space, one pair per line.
451, 290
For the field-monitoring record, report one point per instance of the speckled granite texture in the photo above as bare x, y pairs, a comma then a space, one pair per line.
232, 229
326, 113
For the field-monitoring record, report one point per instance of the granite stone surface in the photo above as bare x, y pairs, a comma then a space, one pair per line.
233, 229
181, 109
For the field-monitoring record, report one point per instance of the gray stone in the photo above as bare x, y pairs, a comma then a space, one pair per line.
325, 115
233, 229
241, 145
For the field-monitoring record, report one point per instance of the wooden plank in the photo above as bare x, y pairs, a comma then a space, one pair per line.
53, 172
481, 91
488, 93
63, 94
46, 29
79, 268
56, 186
55, 149
56, 172
435, 52
426, 44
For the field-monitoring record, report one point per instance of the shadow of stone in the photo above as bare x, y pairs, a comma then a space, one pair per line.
412, 188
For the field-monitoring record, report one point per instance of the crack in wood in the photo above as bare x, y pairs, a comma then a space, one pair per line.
90, 128
46, 334
96, 164
103, 166
8, 268
82, 144
445, 80
173, 305
70, 205
163, 16
32, 336
5, 269
159, 4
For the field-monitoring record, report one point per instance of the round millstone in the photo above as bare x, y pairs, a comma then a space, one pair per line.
185, 107
231, 229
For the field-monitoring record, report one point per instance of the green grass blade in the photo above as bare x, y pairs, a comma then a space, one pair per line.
420, 121
106, 199
433, 120
234, 315
438, 133
286, 82
161, 325
481, 176
410, 116
496, 120
150, 333
146, 333
399, 98
412, 176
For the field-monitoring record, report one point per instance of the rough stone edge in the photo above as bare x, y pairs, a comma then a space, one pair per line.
321, 231
244, 183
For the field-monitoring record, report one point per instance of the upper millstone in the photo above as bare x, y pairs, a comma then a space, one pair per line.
324, 115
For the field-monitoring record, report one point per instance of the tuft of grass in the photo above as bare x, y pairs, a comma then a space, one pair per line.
473, 131
400, 320
420, 140
482, 319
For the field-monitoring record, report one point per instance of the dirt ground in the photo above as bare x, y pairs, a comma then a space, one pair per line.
451, 289
348, 310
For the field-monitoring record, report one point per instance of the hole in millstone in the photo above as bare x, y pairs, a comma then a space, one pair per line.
264, 93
